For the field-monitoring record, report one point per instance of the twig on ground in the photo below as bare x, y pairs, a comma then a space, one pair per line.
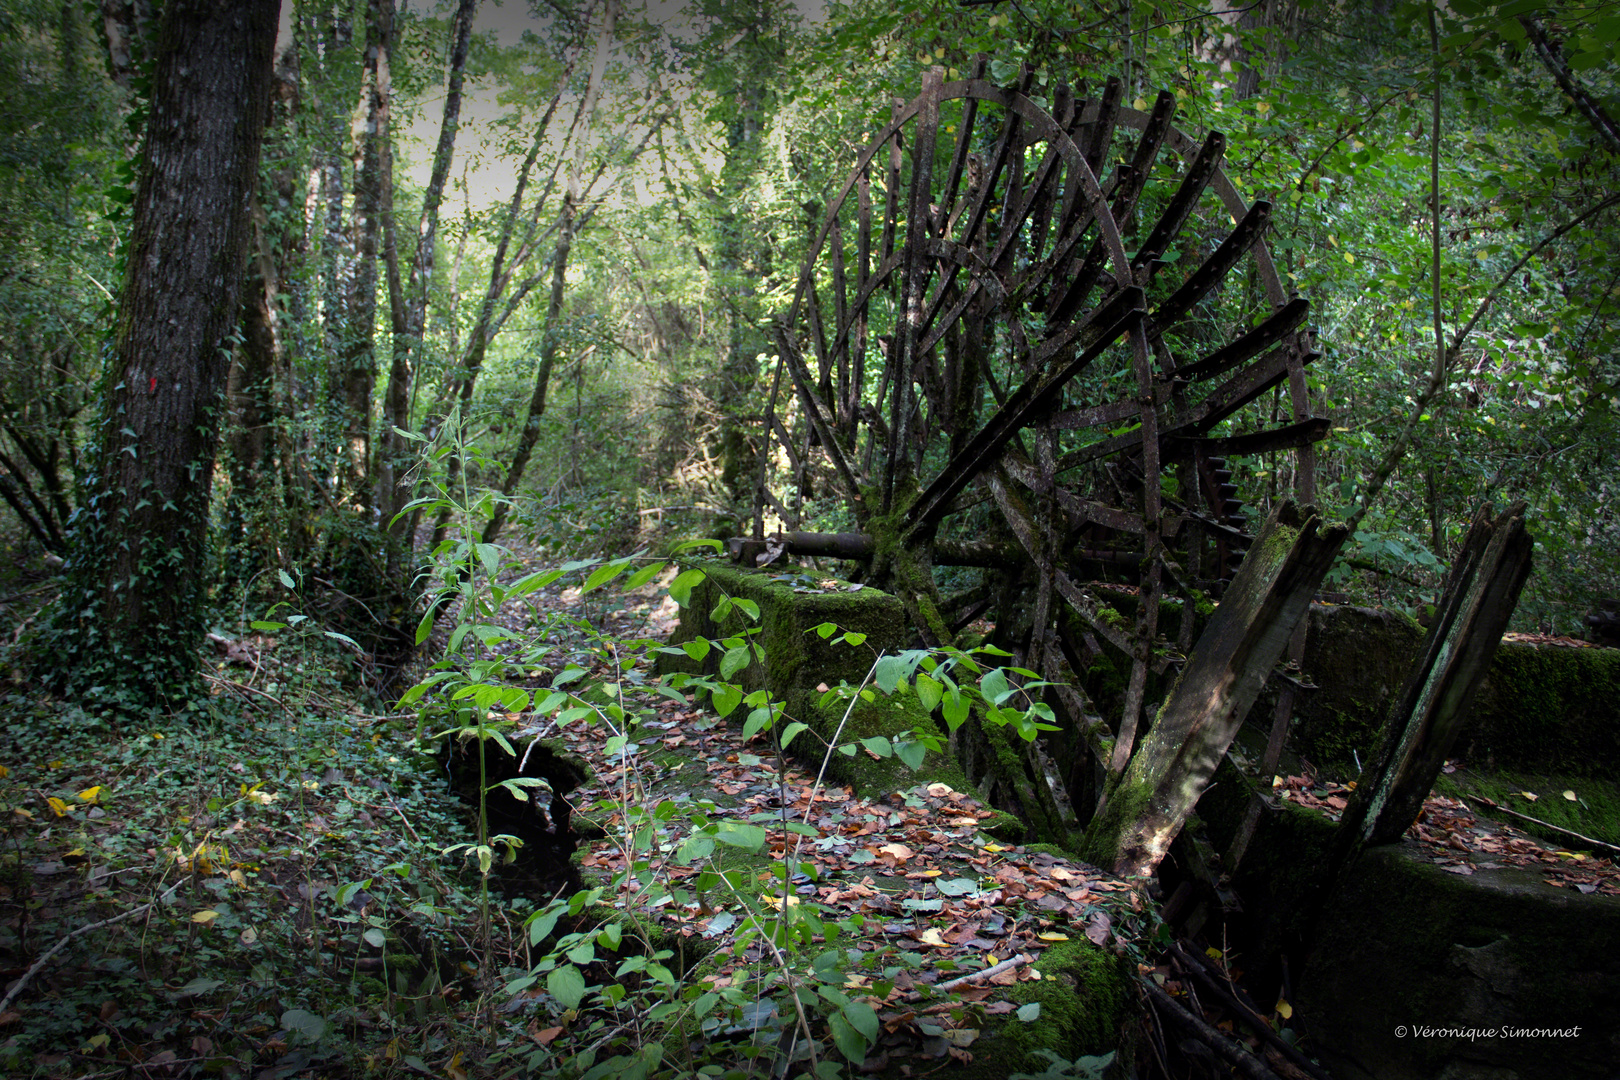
975, 976
18, 987
231, 684
1610, 848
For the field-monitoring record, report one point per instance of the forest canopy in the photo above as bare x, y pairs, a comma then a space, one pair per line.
539, 249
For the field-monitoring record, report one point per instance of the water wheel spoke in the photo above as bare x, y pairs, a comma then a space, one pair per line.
1200, 171
1214, 269
1065, 417
1282, 323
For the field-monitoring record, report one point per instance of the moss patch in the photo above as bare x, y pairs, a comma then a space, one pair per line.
1084, 995
1542, 709
1594, 812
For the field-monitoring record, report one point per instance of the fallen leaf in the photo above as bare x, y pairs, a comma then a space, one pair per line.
93, 794
1051, 936
1532, 796
58, 806
931, 937
1284, 1010
205, 916
1571, 796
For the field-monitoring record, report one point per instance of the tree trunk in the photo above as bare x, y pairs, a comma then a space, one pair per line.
134, 606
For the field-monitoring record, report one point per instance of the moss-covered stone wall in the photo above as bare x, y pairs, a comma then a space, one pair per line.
792, 603
1542, 708
1414, 966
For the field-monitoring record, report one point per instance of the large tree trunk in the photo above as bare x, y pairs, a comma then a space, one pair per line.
135, 608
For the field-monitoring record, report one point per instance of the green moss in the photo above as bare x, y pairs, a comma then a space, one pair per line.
1083, 992
1594, 812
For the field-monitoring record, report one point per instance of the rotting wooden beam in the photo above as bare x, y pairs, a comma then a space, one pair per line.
1240, 645
1481, 593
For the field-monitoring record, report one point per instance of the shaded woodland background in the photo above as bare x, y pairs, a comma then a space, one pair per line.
534, 251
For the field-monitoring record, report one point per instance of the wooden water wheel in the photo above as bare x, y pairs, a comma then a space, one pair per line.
1031, 339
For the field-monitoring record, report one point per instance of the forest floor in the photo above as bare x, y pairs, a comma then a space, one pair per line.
266, 886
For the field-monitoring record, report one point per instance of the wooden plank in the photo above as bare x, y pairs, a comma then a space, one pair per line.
1433, 709
1238, 648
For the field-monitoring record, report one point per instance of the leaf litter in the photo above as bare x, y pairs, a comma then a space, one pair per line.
1460, 841
917, 865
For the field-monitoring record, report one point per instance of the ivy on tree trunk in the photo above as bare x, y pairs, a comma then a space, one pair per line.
133, 616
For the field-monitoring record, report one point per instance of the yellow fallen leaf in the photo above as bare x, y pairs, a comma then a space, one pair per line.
76, 853
1576, 855
898, 850
995, 847
91, 794
238, 878
54, 765
1213, 953
1571, 796
20, 812
1050, 936
61, 808
454, 1070
776, 901
1532, 796
938, 791
930, 873
931, 937
4, 772
205, 916
1284, 1010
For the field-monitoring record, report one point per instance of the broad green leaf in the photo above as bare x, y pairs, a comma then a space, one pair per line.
890, 670
878, 745
269, 627
725, 699
850, 1041
286, 579
929, 691
1030, 1012
864, 1019
747, 607
735, 660
697, 648
737, 834
680, 590
604, 574
695, 848
375, 938
542, 923
307, 1026
567, 985
792, 730
994, 687
911, 752
955, 708
688, 545
490, 556
644, 575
